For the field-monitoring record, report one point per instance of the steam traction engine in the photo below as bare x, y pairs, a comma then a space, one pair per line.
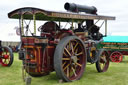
60, 49
6, 56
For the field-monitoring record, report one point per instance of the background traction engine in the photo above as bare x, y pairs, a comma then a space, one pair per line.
6, 56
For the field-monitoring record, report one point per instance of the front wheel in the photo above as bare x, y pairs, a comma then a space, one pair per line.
70, 58
7, 56
103, 62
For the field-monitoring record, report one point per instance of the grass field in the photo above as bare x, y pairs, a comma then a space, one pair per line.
117, 74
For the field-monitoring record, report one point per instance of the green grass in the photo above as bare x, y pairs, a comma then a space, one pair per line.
117, 74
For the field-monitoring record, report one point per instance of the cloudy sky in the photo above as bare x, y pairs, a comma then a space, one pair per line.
117, 8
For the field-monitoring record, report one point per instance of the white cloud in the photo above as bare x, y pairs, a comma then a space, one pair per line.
120, 33
116, 8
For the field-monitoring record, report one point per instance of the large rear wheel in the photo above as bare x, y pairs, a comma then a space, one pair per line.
70, 58
103, 62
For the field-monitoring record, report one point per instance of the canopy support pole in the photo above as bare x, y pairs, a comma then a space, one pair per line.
34, 18
72, 26
22, 25
105, 27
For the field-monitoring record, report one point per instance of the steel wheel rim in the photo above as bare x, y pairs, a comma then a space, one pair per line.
73, 60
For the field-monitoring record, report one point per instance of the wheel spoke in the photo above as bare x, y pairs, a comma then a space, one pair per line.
63, 64
68, 52
68, 72
69, 46
3, 53
102, 66
80, 53
7, 53
74, 71
75, 46
5, 61
8, 60
65, 58
78, 64
72, 48
65, 54
103, 59
76, 51
66, 67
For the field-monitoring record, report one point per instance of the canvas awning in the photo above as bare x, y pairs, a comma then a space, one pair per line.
41, 14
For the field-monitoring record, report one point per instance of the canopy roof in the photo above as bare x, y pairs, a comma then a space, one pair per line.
41, 14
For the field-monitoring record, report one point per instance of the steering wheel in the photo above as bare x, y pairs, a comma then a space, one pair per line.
39, 28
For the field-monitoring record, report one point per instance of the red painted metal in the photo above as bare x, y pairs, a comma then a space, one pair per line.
43, 56
5, 58
116, 56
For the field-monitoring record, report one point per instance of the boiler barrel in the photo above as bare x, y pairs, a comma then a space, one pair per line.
80, 8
